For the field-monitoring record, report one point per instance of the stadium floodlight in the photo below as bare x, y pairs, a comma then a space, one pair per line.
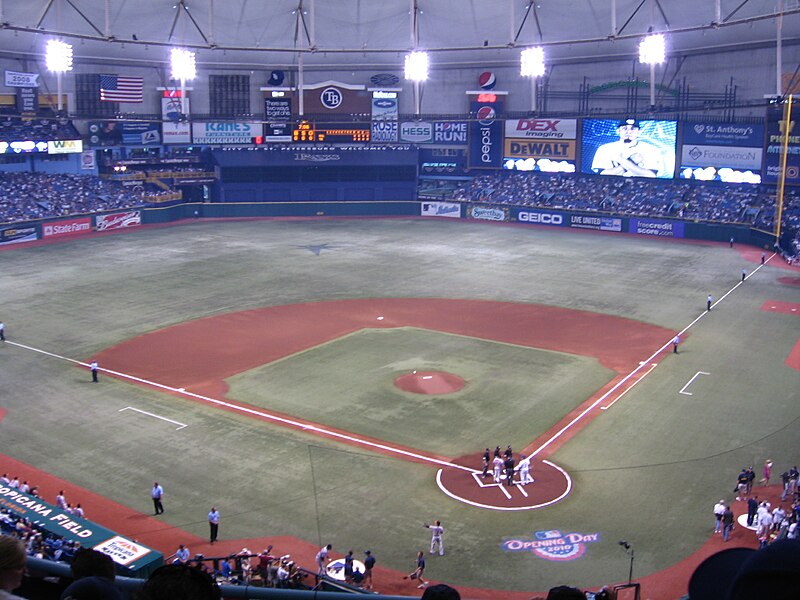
183, 64
531, 62
58, 58
416, 66
653, 50
183, 67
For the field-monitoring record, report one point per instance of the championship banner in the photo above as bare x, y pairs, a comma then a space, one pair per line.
18, 79
776, 127
542, 129
486, 135
175, 129
225, 132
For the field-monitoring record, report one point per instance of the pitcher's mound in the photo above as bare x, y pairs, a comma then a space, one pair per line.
435, 383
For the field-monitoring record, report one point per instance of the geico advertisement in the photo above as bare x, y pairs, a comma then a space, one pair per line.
540, 149
536, 217
555, 129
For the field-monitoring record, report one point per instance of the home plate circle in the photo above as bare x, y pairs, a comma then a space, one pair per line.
434, 383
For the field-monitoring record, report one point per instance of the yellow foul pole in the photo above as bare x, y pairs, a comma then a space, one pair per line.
787, 129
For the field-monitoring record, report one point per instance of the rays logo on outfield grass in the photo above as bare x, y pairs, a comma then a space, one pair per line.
552, 544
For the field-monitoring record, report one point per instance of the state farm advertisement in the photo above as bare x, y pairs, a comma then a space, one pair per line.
66, 227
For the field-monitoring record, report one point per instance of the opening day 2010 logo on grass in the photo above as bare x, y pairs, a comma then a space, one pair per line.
553, 545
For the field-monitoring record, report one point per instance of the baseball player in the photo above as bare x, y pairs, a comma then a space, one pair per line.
437, 531
525, 470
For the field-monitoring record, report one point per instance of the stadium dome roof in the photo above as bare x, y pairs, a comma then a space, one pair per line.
374, 34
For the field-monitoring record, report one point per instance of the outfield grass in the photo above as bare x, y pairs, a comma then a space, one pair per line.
649, 470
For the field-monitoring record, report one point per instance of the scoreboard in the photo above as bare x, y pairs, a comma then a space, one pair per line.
306, 131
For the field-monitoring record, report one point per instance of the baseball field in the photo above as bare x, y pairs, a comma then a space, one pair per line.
336, 381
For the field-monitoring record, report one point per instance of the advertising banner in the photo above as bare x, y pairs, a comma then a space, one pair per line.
278, 113
629, 147
384, 131
88, 160
592, 222
384, 108
557, 150
175, 130
16, 235
443, 161
416, 132
487, 213
721, 163
141, 134
542, 129
66, 227
441, 209
65, 147
723, 134
775, 135
486, 135
225, 132
450, 133
131, 218
657, 227
540, 217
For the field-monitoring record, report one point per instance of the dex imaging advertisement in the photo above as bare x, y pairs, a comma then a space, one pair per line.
629, 147
546, 145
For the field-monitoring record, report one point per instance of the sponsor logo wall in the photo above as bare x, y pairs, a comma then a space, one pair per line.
726, 152
278, 113
486, 135
66, 227
17, 235
132, 218
225, 132
440, 209
174, 130
656, 227
546, 145
775, 133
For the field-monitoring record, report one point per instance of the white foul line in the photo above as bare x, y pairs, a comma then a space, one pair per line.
258, 413
144, 412
633, 385
602, 398
690, 382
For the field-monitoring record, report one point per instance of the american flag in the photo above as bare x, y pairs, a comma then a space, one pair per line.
121, 89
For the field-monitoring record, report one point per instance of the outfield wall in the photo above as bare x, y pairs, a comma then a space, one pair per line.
64, 228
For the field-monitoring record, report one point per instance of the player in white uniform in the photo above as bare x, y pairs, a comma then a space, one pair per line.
437, 531
524, 468
497, 468
628, 156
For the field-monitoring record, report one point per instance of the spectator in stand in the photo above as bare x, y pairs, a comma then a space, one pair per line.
179, 582
93, 573
12, 566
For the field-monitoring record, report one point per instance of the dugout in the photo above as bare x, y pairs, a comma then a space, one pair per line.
131, 558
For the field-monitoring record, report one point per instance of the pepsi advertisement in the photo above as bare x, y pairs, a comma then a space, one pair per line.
629, 147
486, 135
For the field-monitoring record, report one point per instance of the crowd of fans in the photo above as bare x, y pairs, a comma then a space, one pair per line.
751, 205
26, 196
15, 129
